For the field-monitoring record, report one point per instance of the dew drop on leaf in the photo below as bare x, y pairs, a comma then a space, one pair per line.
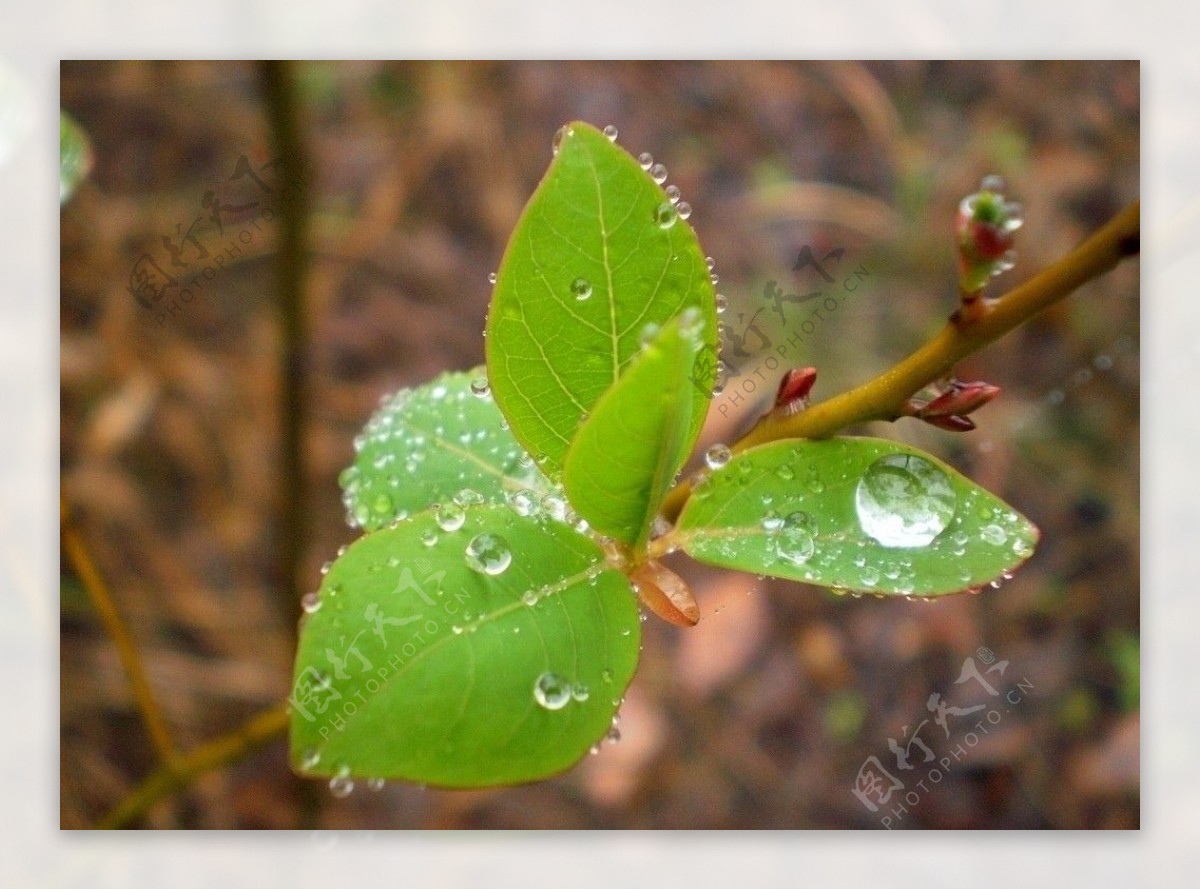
665, 215
993, 534
341, 784
658, 173
795, 541
581, 288
684, 209
717, 456
488, 554
611, 132
903, 500
551, 691
450, 517
646, 160
310, 602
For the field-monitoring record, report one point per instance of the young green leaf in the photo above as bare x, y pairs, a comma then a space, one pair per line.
626, 455
856, 514
598, 255
432, 444
490, 654
74, 156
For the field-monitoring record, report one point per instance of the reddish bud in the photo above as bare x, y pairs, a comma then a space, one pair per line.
794, 387
953, 423
959, 398
666, 594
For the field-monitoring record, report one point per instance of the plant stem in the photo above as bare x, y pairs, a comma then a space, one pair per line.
85, 568
883, 397
291, 267
181, 772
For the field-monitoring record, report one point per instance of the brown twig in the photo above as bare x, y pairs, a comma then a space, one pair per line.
883, 397
84, 566
183, 770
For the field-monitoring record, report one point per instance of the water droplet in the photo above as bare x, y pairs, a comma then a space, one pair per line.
714, 277
310, 602
382, 504
555, 506
341, 784
580, 692
606, 675
772, 522
581, 288
488, 554
646, 160
710, 263
904, 501
795, 541
523, 502
450, 517
993, 534
375, 784
869, 576
429, 537
480, 387
611, 132
685, 210
468, 497
613, 735
325, 567
785, 472
310, 758
992, 183
561, 134
673, 193
491, 277
722, 303
717, 456
665, 215
658, 173
551, 691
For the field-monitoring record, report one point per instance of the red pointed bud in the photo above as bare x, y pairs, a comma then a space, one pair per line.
959, 398
794, 387
953, 423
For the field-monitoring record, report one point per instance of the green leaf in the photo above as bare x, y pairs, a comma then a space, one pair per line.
74, 156
627, 453
432, 444
587, 268
425, 653
854, 514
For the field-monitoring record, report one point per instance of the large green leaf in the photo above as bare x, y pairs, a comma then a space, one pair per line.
432, 444
627, 453
854, 514
493, 653
598, 254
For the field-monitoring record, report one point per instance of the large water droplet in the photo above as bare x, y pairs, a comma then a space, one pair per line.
795, 540
450, 517
581, 288
717, 456
665, 215
310, 602
673, 193
480, 387
904, 501
611, 132
488, 554
685, 211
722, 303
646, 160
551, 691
658, 173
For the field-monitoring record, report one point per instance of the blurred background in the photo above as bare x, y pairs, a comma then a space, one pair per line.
762, 716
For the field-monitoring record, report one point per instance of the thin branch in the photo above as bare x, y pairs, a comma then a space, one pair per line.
291, 269
883, 397
185, 769
84, 566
